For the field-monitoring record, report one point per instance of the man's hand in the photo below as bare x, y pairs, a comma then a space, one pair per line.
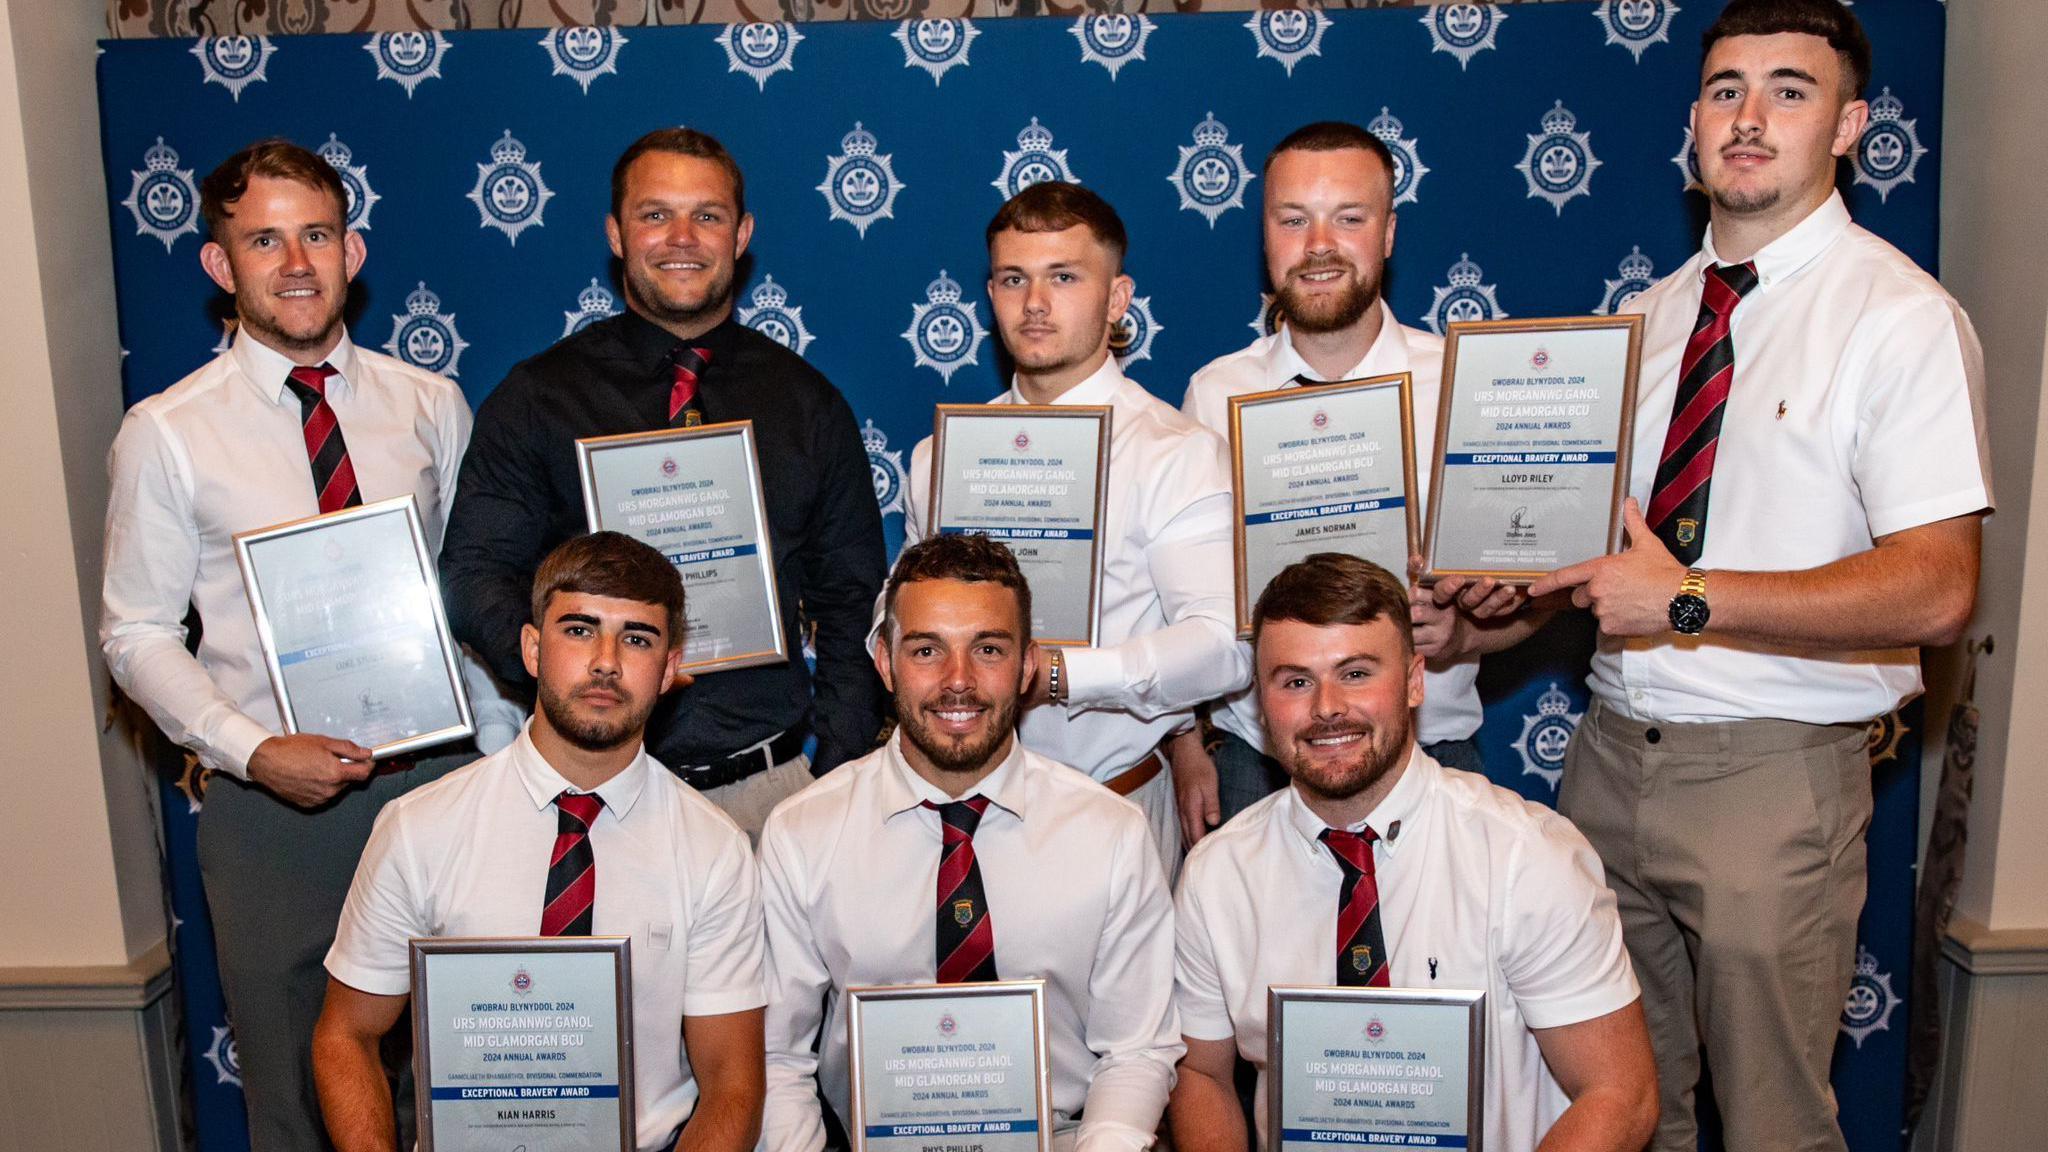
1481, 597
1440, 632
1629, 592
1195, 790
309, 770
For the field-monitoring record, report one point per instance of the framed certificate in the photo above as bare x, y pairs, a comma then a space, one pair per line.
1532, 445
1382, 1067
1034, 477
1329, 468
695, 495
349, 617
523, 1042
954, 1067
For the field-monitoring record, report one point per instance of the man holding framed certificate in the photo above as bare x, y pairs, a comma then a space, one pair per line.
1380, 868
675, 359
292, 421
955, 854
1329, 230
1806, 503
572, 831
1165, 636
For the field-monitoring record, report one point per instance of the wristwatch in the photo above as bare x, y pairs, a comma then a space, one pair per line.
1689, 609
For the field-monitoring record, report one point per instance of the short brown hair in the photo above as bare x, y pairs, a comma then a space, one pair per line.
276, 158
1055, 206
964, 556
1330, 588
679, 142
611, 564
1333, 136
1827, 19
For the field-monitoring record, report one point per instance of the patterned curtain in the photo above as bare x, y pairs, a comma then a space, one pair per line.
143, 19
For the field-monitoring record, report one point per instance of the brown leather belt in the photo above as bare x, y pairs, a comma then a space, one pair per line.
1137, 775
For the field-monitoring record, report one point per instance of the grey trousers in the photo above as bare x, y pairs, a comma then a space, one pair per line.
1736, 852
275, 878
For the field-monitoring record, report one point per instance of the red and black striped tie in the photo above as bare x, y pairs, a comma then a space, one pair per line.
1678, 503
334, 477
690, 364
1361, 945
572, 870
967, 937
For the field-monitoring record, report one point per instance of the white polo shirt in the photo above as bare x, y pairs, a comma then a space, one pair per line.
1167, 612
1450, 701
1479, 889
849, 871
468, 856
1857, 411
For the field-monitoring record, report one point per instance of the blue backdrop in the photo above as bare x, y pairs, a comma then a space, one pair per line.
1544, 171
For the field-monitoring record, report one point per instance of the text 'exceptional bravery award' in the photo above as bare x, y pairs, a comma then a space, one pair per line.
695, 495
523, 1042
950, 1068
1532, 444
1328, 468
1374, 1067
1034, 477
349, 617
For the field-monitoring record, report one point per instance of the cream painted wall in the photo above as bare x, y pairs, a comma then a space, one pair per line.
79, 884
1994, 258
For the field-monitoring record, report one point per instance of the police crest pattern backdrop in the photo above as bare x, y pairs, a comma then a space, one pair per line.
1544, 169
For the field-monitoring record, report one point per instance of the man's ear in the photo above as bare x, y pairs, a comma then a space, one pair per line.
214, 259
529, 649
353, 252
672, 674
1414, 679
612, 237
881, 655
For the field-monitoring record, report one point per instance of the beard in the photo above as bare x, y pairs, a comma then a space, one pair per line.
589, 733
1746, 203
663, 308
264, 325
963, 754
1330, 312
1070, 354
1377, 754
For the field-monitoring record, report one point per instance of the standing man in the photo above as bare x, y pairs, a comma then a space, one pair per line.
676, 357
1381, 867
583, 834
1329, 229
1167, 620
1810, 452
1045, 875
293, 420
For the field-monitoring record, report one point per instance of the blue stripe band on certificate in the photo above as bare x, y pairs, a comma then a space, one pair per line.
982, 1128
1021, 533
1371, 1139
1348, 508
701, 556
531, 1092
1491, 458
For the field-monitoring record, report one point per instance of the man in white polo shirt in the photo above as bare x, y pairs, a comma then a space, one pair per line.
1380, 867
1167, 620
1827, 395
1329, 229
1045, 873
573, 830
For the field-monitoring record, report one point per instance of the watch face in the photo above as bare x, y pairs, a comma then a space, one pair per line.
1688, 614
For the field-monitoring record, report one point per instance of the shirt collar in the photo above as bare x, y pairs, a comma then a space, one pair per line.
543, 783
903, 790
1100, 387
1392, 820
267, 369
1795, 249
1388, 354
648, 344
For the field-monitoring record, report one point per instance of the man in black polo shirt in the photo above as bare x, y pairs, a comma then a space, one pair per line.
676, 357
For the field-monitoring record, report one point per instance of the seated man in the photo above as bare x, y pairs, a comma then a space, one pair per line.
1376, 846
572, 831
1062, 875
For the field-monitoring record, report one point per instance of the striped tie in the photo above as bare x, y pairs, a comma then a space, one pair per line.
334, 477
1678, 502
690, 364
967, 937
572, 870
1361, 946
